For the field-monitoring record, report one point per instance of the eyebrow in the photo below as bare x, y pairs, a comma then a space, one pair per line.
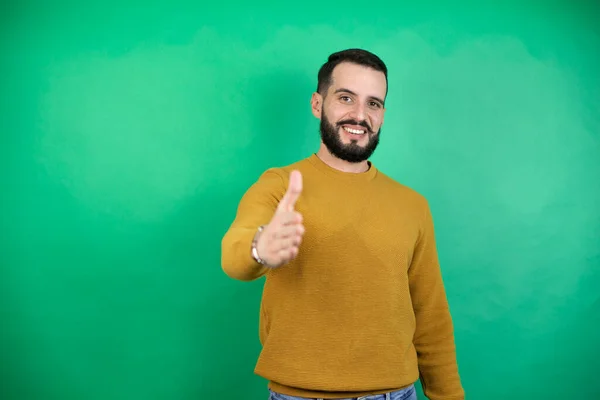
352, 93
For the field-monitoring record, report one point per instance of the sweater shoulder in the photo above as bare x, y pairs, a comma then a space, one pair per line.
281, 173
401, 190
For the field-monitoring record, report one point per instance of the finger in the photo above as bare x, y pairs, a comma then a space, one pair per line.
288, 243
288, 254
293, 192
289, 231
290, 218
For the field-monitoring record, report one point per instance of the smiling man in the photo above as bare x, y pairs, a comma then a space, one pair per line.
353, 306
353, 95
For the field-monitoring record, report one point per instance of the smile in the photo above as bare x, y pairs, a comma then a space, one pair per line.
354, 131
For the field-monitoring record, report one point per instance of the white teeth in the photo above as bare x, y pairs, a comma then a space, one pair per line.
356, 132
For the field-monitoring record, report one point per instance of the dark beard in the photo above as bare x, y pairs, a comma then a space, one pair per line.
348, 152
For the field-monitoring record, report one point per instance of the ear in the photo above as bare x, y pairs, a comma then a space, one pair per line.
316, 103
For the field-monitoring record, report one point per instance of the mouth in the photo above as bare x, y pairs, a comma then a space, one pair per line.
355, 128
354, 131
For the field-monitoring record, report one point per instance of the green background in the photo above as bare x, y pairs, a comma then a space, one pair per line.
129, 133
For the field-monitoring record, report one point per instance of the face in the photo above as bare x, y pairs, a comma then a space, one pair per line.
352, 112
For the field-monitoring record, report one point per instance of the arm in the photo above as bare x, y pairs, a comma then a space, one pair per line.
434, 336
256, 208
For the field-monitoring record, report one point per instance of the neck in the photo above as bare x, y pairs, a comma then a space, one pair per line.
340, 164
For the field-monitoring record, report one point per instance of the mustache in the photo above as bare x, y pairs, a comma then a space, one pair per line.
355, 122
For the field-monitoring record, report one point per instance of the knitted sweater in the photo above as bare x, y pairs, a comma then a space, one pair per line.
362, 309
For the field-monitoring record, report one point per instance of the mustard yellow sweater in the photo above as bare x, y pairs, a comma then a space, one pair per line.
362, 309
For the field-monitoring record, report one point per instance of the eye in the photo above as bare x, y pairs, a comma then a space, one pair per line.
345, 99
374, 104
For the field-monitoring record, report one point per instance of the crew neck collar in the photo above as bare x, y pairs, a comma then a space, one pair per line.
336, 173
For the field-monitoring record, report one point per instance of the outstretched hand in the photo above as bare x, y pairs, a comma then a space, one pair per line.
279, 242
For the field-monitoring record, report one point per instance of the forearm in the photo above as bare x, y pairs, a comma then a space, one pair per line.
236, 258
255, 208
436, 351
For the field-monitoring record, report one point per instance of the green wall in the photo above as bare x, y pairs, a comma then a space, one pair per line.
129, 132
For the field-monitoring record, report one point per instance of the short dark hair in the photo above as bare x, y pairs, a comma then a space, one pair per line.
355, 56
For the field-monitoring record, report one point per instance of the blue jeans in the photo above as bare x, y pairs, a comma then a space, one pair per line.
408, 393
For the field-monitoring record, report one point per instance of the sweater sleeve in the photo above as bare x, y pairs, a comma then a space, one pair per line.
257, 206
434, 336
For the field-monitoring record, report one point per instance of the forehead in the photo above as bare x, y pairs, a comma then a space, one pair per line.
359, 79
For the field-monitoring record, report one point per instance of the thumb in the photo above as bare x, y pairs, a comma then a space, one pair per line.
293, 192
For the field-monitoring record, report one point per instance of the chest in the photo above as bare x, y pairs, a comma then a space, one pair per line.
358, 226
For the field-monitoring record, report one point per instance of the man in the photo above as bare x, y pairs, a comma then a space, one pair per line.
353, 304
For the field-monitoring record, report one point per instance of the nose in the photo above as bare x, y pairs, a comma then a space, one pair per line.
359, 112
